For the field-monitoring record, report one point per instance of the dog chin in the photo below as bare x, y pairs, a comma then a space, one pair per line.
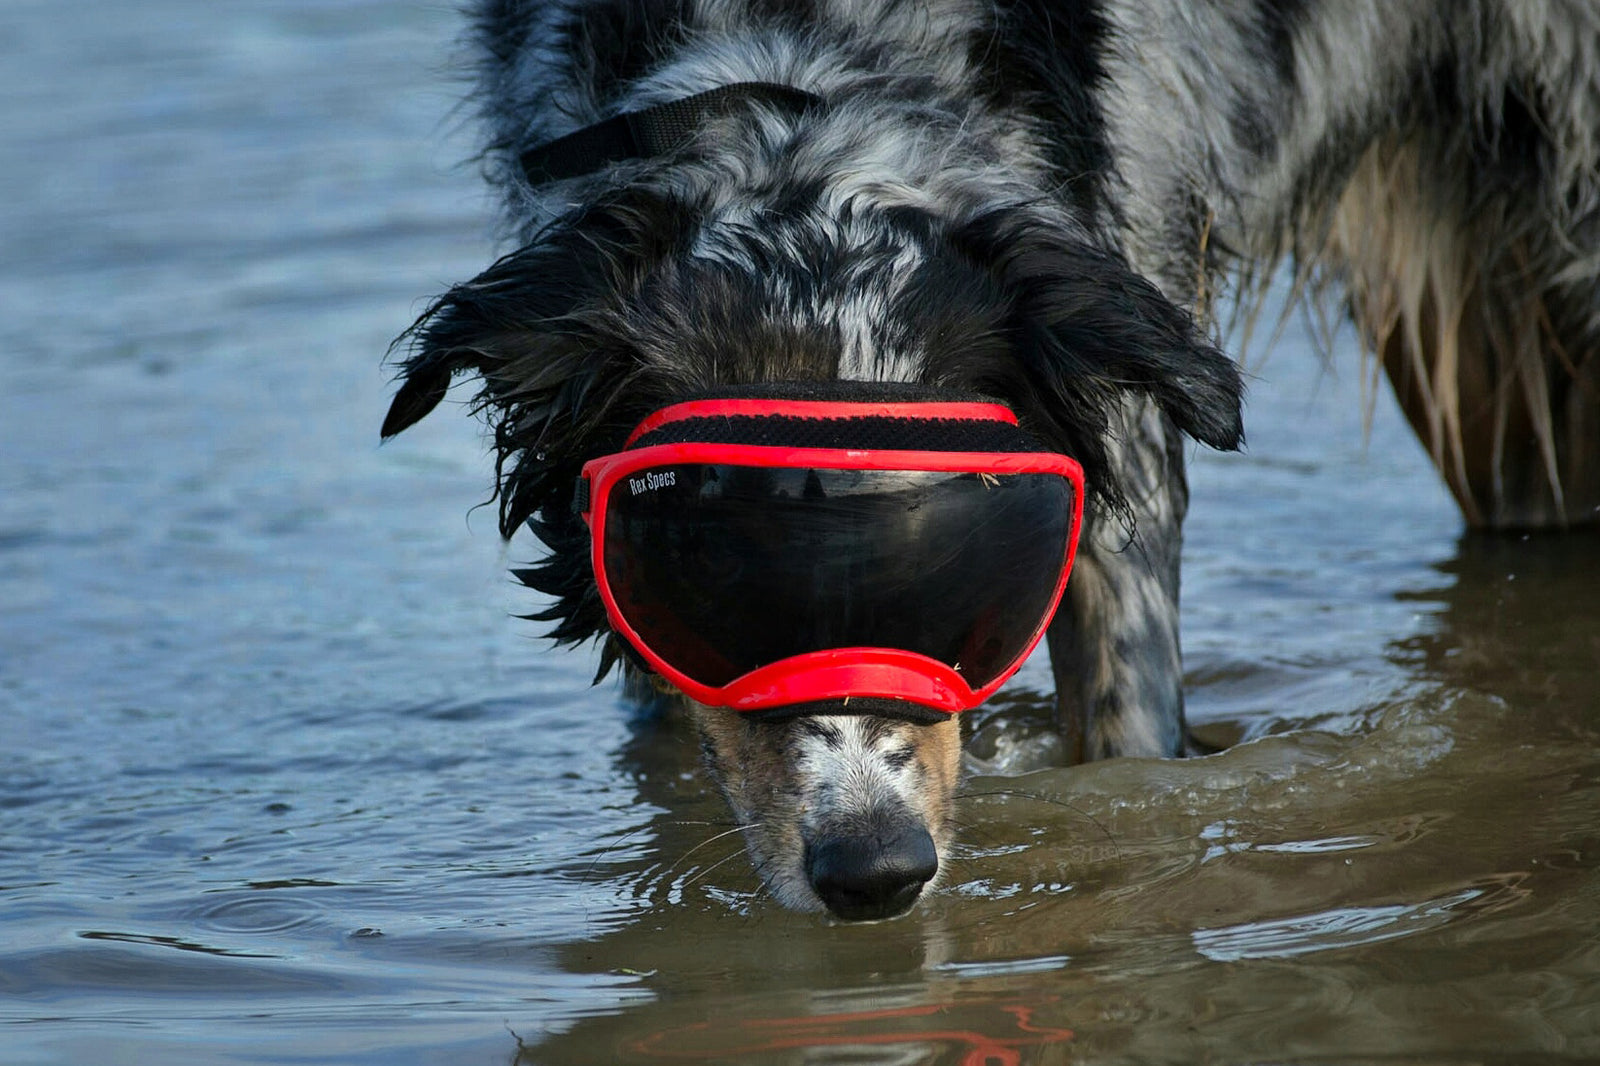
844, 813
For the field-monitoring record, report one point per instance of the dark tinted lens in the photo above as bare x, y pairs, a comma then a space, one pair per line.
723, 569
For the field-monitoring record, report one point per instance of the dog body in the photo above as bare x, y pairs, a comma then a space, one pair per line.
1036, 200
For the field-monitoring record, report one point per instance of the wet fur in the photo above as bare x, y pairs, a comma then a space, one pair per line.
1039, 201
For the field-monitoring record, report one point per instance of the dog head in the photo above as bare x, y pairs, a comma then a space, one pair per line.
655, 289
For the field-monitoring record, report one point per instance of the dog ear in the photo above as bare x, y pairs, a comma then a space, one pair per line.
1098, 311
505, 317
1084, 332
531, 328
508, 323
1092, 327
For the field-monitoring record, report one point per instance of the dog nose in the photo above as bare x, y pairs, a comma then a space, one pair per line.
877, 874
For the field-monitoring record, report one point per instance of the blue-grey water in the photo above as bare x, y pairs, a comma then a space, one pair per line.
282, 780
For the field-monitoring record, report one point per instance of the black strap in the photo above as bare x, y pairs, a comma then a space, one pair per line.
872, 706
653, 131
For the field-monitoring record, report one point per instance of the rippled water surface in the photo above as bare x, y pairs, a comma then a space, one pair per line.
281, 780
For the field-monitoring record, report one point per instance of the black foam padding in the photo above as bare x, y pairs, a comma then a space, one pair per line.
654, 131
836, 391
903, 710
867, 432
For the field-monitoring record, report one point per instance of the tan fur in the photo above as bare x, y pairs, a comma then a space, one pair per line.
1450, 299
939, 756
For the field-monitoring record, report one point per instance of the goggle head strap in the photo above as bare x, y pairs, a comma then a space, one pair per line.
653, 131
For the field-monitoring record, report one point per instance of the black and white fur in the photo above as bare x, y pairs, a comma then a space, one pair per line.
1039, 200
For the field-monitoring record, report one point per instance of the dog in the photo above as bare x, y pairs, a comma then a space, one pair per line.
1040, 201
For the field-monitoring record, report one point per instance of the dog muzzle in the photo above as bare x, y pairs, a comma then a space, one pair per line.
761, 552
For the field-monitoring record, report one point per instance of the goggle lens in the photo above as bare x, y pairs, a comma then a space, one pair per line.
721, 569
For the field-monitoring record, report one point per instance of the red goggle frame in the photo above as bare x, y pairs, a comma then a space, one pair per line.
734, 541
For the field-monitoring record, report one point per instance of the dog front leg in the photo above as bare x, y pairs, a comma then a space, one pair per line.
1114, 641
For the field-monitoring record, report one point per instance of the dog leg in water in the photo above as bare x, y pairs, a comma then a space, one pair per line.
1114, 641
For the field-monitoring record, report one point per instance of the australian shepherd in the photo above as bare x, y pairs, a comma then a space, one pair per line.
1045, 202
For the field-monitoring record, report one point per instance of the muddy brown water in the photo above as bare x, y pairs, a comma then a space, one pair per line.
281, 780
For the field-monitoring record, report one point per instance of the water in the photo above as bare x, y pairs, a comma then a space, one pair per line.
281, 780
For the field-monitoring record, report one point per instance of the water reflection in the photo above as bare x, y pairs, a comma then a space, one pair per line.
1518, 617
971, 1032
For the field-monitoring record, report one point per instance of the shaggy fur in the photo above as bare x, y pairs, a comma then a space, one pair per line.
1036, 200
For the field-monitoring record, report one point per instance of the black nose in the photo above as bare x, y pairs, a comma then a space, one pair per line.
876, 874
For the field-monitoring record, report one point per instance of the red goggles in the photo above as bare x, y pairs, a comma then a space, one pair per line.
759, 553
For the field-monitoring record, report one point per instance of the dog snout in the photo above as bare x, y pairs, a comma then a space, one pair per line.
875, 874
